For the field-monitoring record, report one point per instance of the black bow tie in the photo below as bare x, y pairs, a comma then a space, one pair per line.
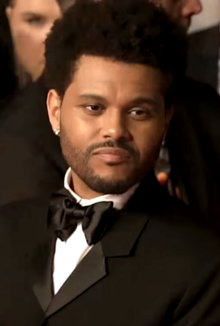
65, 213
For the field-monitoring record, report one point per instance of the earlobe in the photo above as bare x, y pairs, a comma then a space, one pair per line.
8, 12
169, 114
53, 108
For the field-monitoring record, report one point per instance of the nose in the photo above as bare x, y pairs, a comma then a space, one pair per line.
114, 126
46, 30
191, 7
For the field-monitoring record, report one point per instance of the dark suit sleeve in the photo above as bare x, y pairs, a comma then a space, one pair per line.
24, 170
200, 305
19, 306
202, 64
193, 141
200, 301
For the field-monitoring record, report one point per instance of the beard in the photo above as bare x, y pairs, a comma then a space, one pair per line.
79, 162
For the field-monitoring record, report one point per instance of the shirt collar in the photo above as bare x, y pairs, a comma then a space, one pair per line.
118, 200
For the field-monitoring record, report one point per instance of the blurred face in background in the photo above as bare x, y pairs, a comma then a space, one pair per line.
30, 22
181, 11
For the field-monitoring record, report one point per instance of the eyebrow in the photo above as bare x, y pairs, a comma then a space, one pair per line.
30, 14
144, 100
137, 101
93, 97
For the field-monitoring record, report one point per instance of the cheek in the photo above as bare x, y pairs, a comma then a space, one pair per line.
29, 51
148, 138
28, 42
79, 132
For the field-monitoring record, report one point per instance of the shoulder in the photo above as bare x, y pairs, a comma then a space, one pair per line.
183, 234
24, 218
27, 106
198, 90
200, 38
198, 102
25, 170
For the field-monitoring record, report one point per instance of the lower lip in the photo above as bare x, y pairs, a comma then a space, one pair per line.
111, 158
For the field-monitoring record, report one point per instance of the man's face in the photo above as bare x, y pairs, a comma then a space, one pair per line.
112, 121
181, 10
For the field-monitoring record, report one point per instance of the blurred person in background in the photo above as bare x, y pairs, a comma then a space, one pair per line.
25, 25
204, 43
30, 21
8, 80
192, 142
181, 11
193, 138
24, 128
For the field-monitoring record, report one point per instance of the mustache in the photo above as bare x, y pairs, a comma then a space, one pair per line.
115, 144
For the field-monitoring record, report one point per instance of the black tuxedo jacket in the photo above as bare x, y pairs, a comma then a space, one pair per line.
203, 55
155, 266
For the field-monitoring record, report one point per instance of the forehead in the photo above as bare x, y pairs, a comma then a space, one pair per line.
38, 6
96, 74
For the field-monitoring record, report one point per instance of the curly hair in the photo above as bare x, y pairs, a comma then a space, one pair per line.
129, 31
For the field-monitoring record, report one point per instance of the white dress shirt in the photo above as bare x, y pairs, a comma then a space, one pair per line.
68, 254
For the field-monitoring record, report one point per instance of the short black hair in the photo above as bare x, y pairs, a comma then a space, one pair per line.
130, 31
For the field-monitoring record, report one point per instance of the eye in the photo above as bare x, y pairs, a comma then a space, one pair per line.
95, 108
140, 113
35, 20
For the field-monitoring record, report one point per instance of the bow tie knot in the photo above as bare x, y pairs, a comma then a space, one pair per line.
65, 214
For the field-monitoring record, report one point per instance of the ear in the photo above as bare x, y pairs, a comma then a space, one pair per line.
8, 12
168, 116
53, 108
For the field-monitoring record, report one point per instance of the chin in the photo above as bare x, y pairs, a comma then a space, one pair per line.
111, 184
111, 188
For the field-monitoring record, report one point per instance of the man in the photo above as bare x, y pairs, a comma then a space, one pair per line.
191, 171
181, 11
204, 44
204, 52
114, 248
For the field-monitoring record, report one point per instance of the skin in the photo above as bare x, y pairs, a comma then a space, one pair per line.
112, 120
181, 11
30, 22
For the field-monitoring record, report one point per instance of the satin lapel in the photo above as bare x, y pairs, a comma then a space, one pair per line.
90, 270
41, 262
43, 267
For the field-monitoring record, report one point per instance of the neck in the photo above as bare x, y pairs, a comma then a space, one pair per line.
81, 189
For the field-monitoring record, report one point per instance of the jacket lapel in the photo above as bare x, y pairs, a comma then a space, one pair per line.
90, 270
41, 261
43, 267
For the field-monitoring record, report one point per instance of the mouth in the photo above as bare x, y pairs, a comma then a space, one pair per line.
112, 155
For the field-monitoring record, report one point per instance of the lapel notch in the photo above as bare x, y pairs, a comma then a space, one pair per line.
120, 240
122, 237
